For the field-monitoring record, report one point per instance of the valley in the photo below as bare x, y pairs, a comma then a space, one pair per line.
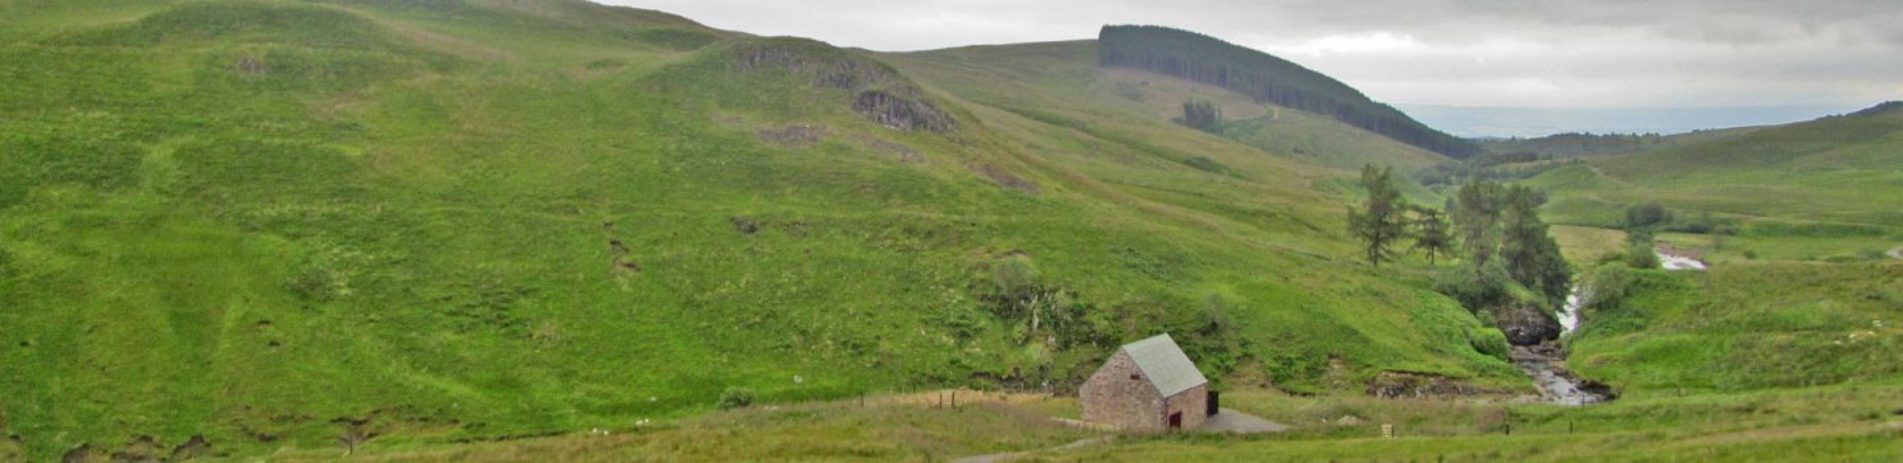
484, 230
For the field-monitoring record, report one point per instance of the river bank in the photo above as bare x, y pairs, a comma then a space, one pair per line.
1545, 362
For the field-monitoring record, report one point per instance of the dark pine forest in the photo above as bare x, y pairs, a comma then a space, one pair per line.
1269, 79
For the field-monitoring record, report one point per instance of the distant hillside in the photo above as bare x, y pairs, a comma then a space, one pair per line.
1573, 145
1834, 180
1060, 83
1520, 122
1268, 78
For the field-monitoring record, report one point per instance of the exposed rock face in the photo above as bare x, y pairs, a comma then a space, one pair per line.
1527, 326
901, 113
879, 92
793, 136
1393, 385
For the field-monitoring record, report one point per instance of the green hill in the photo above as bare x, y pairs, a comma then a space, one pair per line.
1059, 83
1575, 145
280, 223
1266, 78
1807, 191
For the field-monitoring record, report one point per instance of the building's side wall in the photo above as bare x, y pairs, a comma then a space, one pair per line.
1111, 397
1193, 403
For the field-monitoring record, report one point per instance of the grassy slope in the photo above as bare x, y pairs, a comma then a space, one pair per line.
1768, 315
248, 219
1060, 83
1808, 191
1745, 327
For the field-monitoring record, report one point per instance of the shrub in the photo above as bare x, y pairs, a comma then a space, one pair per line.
1646, 216
1475, 291
1640, 251
1703, 224
1610, 285
1641, 256
1490, 341
736, 397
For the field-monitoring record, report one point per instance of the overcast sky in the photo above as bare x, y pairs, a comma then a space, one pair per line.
1508, 53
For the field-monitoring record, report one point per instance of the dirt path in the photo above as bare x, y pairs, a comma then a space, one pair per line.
1896, 253
1232, 421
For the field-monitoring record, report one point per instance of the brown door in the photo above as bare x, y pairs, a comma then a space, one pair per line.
1176, 420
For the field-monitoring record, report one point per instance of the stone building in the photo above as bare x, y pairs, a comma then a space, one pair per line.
1148, 386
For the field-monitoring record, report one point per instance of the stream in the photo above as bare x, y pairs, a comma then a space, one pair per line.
1545, 363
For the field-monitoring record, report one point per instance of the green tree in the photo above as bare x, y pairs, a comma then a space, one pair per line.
1202, 115
1431, 234
1531, 255
1476, 221
1382, 221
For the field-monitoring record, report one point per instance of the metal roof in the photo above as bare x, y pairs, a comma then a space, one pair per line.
1164, 365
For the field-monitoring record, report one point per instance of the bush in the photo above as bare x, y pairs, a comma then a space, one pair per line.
1641, 256
1646, 216
1640, 251
1490, 341
1609, 286
1476, 291
736, 397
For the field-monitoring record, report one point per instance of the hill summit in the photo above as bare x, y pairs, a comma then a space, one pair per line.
1267, 78
1880, 109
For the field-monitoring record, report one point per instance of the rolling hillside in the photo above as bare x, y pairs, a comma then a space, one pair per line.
1266, 78
1806, 191
1060, 84
281, 223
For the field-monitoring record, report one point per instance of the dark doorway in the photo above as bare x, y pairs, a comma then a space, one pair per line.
1176, 420
1215, 403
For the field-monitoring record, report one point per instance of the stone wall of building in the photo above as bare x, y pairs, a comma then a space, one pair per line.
1112, 397
1193, 403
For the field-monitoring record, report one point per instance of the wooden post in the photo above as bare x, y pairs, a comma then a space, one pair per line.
954, 399
1387, 431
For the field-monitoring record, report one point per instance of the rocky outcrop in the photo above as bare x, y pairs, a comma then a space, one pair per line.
1396, 385
901, 113
878, 91
1527, 325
